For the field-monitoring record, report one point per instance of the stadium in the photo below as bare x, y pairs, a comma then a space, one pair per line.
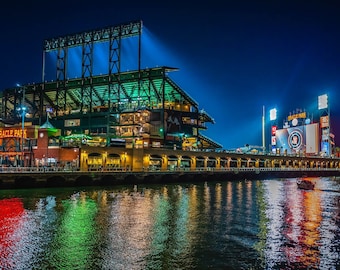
51, 122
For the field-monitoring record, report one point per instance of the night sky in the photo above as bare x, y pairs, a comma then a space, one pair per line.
232, 60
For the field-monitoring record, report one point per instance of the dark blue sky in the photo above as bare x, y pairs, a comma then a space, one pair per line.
233, 59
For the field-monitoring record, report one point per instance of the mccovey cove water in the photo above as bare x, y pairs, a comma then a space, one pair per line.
258, 224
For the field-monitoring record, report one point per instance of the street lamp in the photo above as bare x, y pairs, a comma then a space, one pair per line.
22, 109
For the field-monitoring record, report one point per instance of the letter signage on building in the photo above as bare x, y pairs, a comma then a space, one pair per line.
12, 132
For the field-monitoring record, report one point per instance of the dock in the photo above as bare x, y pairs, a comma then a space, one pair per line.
47, 178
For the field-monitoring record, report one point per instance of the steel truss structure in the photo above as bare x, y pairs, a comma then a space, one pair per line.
126, 105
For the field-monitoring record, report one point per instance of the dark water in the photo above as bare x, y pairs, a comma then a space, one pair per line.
267, 224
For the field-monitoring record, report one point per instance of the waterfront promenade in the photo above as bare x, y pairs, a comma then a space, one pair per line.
27, 177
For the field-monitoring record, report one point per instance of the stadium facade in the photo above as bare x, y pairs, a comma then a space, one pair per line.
53, 122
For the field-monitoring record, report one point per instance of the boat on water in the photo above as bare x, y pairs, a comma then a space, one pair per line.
305, 183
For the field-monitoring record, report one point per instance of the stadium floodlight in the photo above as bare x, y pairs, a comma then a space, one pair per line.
272, 114
323, 102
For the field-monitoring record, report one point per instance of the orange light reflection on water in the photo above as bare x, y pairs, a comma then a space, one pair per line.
303, 219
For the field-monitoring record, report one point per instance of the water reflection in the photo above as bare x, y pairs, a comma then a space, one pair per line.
302, 222
294, 234
24, 233
11, 211
267, 224
76, 232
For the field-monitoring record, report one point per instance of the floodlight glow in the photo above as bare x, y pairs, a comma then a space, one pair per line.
272, 114
323, 102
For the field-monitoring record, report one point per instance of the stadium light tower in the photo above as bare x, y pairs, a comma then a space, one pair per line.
272, 118
325, 124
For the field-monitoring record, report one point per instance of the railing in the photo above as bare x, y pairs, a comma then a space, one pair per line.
36, 169
121, 169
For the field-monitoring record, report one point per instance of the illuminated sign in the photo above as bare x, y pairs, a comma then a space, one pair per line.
72, 123
295, 122
324, 121
305, 138
295, 139
298, 115
325, 134
12, 132
156, 144
325, 147
273, 140
274, 130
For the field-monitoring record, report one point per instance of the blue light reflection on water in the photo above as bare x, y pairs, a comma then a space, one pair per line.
265, 224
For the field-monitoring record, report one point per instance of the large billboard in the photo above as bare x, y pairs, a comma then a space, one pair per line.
299, 139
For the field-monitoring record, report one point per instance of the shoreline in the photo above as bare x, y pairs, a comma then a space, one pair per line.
15, 180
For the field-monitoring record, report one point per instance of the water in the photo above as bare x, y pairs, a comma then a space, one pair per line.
266, 224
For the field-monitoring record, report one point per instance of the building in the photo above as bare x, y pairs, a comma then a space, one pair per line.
301, 135
49, 123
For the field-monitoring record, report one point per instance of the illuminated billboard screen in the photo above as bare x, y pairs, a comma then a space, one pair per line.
325, 147
324, 121
298, 139
174, 123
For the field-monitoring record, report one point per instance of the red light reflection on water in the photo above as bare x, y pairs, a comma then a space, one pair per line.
11, 211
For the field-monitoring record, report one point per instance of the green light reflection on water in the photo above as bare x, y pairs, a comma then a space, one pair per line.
75, 238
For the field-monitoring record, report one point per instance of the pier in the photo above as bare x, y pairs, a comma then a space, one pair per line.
44, 178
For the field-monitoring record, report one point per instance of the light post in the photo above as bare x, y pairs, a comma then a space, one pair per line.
263, 130
22, 110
